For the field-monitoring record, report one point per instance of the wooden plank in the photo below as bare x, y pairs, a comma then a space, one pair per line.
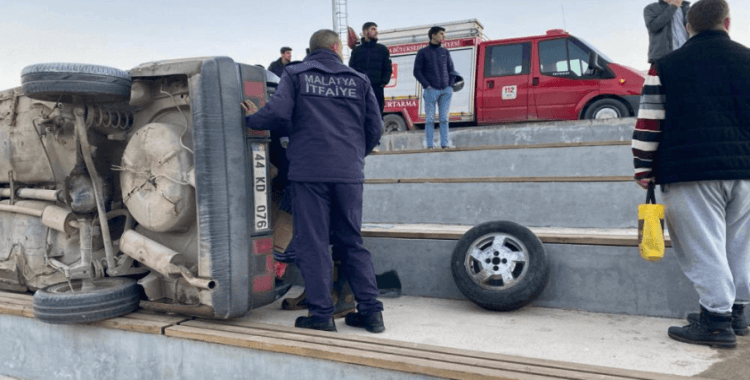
507, 147
577, 179
347, 355
17, 310
16, 301
408, 351
145, 315
627, 237
17, 296
134, 325
431, 350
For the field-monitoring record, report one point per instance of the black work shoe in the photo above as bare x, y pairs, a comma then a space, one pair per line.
711, 329
312, 324
370, 322
739, 322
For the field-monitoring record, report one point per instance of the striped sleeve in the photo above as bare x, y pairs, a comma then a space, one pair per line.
648, 128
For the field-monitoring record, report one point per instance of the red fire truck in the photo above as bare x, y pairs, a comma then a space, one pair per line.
555, 76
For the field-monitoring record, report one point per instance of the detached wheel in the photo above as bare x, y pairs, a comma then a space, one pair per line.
394, 123
75, 83
606, 109
500, 265
87, 301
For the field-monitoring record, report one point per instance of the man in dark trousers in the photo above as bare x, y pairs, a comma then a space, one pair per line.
335, 123
665, 21
277, 66
374, 60
693, 138
433, 68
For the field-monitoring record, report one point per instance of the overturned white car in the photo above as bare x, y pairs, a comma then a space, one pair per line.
120, 189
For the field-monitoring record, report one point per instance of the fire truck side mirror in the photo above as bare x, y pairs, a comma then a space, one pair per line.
594, 66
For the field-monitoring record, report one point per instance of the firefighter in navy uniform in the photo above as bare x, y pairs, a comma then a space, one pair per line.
335, 123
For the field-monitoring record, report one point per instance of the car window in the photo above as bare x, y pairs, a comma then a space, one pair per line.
505, 60
553, 57
578, 59
563, 58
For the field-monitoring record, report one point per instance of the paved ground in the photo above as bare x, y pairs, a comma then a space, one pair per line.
621, 341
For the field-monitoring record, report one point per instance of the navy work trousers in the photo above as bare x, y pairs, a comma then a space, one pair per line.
324, 211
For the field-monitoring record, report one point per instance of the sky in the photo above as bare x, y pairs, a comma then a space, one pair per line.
124, 34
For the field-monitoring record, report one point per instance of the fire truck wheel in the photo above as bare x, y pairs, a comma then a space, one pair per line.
500, 265
75, 83
394, 123
89, 301
606, 109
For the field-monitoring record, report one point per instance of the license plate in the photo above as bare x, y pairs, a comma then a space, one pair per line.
261, 212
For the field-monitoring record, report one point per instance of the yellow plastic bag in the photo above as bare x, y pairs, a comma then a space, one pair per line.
651, 227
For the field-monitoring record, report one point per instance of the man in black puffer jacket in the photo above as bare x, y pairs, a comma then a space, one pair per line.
433, 68
374, 60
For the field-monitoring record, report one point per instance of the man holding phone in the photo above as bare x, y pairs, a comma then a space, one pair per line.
665, 21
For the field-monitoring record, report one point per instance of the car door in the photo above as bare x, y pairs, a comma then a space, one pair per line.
504, 84
562, 81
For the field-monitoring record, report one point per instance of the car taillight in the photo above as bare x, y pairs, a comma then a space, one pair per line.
263, 246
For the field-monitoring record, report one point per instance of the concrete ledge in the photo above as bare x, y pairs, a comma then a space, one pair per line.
570, 204
520, 133
243, 348
34, 350
591, 278
610, 160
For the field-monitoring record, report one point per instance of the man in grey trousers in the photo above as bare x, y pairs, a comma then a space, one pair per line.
693, 138
665, 21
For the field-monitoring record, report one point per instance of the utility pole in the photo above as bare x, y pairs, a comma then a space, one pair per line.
341, 25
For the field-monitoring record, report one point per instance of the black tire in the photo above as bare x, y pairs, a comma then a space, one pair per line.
112, 297
75, 83
393, 123
606, 109
522, 262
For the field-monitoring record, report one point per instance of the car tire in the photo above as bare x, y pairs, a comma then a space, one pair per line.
109, 298
500, 265
75, 83
393, 123
606, 109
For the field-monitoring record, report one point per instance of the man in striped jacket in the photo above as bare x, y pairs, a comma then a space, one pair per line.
693, 138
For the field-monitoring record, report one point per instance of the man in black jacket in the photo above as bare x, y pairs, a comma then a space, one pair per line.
277, 66
374, 60
693, 138
433, 68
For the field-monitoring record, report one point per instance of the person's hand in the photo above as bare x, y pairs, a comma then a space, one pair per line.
249, 107
644, 182
676, 3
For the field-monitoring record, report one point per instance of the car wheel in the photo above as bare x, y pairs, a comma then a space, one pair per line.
394, 123
606, 109
75, 83
86, 301
500, 265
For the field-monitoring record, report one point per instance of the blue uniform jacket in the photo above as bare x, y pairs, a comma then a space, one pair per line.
334, 116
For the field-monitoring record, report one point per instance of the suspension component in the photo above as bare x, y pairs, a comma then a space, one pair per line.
109, 117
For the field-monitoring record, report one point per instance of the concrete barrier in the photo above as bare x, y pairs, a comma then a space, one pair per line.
519, 134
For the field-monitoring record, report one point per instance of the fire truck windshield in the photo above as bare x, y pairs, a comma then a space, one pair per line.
590, 46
